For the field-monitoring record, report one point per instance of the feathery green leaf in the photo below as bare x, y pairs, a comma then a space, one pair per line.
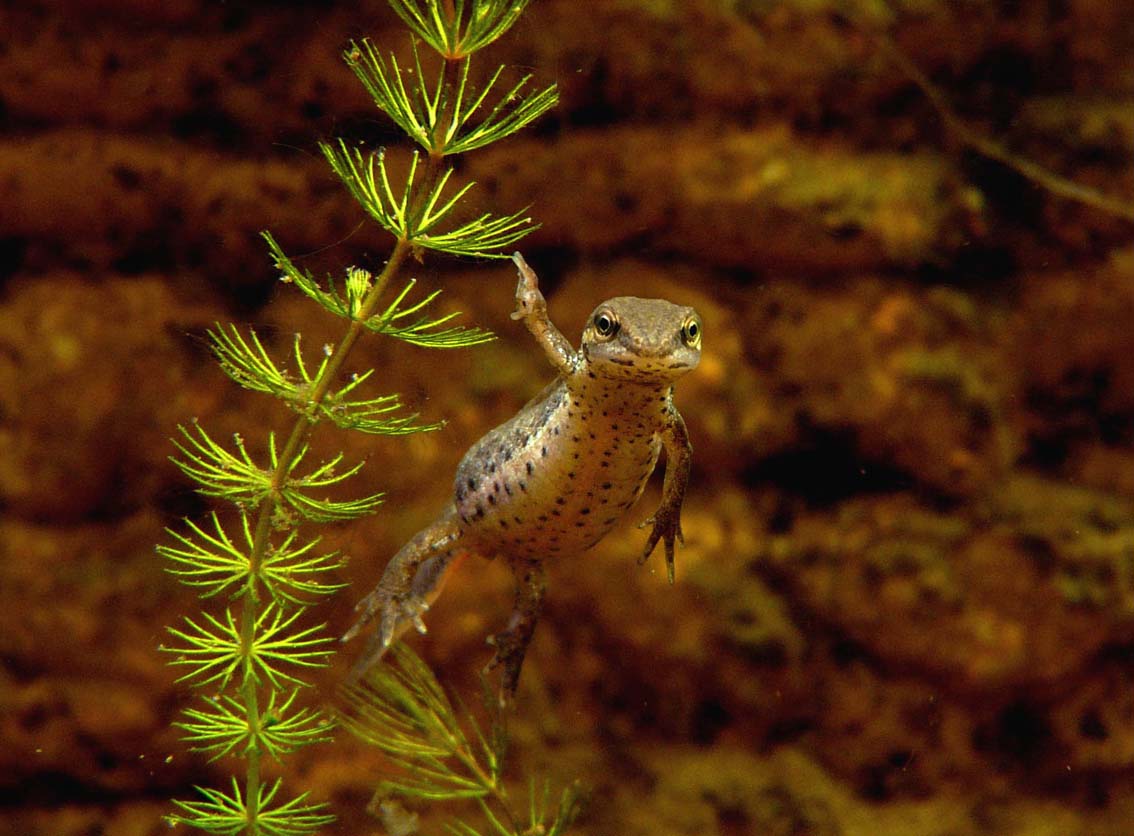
462, 26
218, 472
424, 331
367, 179
217, 729
222, 727
222, 813
330, 299
212, 561
217, 812
214, 651
291, 818
236, 477
423, 114
416, 115
512, 112
209, 561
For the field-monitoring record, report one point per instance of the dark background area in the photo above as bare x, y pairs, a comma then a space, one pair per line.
906, 602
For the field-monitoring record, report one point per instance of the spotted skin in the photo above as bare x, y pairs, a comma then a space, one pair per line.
560, 474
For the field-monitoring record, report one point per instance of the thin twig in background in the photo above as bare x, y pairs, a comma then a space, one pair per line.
983, 145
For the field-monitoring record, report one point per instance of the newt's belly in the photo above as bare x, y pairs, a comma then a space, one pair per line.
559, 493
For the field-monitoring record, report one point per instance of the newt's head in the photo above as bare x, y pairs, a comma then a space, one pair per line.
642, 340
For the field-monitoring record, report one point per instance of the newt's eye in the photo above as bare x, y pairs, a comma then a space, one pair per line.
691, 332
606, 325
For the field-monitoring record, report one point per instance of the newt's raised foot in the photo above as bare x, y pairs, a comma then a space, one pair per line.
529, 301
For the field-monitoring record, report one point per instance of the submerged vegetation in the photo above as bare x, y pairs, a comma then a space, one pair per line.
246, 656
441, 757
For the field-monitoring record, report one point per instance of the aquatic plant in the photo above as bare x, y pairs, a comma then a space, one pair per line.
247, 656
440, 756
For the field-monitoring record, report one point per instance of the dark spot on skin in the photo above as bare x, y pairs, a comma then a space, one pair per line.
507, 489
585, 511
570, 474
542, 518
543, 452
524, 486
606, 486
472, 485
560, 500
555, 512
517, 520
503, 523
614, 426
507, 455
605, 464
591, 375
492, 467
460, 494
556, 430
592, 435
579, 524
492, 499
479, 511
528, 465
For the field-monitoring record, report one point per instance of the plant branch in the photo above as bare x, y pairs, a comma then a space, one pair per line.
987, 147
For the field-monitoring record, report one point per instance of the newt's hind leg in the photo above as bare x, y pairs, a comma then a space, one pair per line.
408, 586
512, 643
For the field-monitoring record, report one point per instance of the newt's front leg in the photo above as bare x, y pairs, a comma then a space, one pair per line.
666, 520
531, 307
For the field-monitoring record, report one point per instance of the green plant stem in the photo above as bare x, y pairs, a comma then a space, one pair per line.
251, 708
298, 437
495, 788
450, 73
300, 432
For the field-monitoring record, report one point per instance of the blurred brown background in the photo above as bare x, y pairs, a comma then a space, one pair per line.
906, 603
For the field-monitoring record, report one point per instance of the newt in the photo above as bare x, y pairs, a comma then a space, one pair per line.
558, 476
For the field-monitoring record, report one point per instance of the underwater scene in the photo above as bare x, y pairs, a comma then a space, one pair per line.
539, 417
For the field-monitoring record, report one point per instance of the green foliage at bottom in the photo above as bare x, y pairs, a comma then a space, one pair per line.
441, 755
220, 812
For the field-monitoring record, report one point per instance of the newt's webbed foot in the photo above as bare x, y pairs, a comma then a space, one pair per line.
510, 645
666, 528
395, 612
